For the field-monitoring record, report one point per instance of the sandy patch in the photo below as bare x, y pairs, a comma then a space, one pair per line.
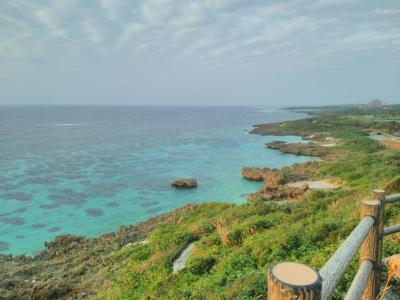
318, 184
329, 145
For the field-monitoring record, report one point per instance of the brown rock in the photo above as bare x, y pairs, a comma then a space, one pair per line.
271, 177
307, 149
280, 192
255, 174
184, 183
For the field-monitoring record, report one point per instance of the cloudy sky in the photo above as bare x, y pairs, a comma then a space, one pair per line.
199, 52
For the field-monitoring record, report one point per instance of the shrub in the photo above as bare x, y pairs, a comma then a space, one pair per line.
253, 285
235, 237
185, 239
240, 261
200, 265
223, 232
257, 224
393, 186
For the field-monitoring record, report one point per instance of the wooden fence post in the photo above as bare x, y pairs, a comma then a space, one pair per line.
380, 195
287, 281
369, 249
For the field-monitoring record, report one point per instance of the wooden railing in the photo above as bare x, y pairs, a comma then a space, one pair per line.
297, 281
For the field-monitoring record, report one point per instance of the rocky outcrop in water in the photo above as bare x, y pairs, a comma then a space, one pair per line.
184, 183
271, 177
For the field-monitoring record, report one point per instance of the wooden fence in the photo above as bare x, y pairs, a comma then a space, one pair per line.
290, 280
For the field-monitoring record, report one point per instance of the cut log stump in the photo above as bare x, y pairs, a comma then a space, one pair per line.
293, 281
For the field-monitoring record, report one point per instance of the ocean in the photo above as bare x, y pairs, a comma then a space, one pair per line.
87, 170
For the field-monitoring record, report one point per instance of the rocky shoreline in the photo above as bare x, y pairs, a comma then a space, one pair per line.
75, 267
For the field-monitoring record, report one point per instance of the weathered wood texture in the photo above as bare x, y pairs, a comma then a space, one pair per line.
297, 281
369, 249
334, 268
380, 195
391, 229
392, 198
360, 281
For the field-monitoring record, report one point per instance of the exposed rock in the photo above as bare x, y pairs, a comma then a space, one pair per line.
184, 183
276, 144
276, 177
271, 177
286, 183
255, 174
278, 193
309, 149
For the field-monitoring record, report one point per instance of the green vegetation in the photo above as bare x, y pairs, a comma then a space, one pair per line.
236, 244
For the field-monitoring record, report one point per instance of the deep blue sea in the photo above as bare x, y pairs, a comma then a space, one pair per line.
87, 170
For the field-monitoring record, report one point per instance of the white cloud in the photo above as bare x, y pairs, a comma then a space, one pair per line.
388, 11
211, 30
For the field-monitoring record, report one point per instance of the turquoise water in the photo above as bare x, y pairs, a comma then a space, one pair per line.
87, 170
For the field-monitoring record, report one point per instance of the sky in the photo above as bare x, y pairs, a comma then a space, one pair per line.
199, 52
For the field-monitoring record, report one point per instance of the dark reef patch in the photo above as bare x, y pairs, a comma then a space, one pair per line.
153, 210
4, 246
109, 189
40, 180
67, 197
19, 196
94, 212
38, 225
85, 182
154, 186
50, 206
112, 204
54, 229
36, 172
148, 203
20, 237
72, 176
13, 221
22, 209
8, 187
